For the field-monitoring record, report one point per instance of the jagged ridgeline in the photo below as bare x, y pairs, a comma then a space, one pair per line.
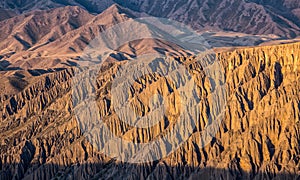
258, 138
280, 17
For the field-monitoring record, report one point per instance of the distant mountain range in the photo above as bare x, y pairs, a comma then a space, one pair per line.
279, 17
54, 38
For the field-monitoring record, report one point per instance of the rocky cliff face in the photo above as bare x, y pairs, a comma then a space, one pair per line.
259, 136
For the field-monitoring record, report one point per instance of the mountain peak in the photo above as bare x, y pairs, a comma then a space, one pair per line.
117, 9
115, 14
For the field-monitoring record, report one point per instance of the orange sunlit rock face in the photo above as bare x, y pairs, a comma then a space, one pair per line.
258, 136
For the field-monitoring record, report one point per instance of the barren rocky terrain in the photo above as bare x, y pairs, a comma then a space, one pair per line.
39, 42
258, 137
47, 132
279, 17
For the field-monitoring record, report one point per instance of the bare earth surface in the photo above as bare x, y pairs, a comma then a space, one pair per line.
258, 138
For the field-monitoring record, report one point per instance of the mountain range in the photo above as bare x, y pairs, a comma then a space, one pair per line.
59, 34
255, 44
247, 16
56, 38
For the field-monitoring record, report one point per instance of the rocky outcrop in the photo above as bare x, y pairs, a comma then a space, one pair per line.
258, 137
